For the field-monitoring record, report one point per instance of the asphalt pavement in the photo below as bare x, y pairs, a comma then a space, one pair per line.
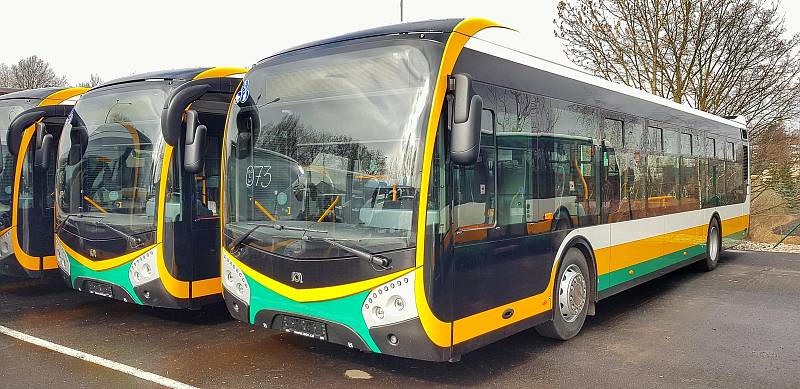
738, 326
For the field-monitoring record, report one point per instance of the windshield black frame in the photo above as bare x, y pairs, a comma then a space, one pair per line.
421, 59
136, 212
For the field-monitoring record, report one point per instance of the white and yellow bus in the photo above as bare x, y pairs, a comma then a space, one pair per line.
137, 210
30, 126
424, 189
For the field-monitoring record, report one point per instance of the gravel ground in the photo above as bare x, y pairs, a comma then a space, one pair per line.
756, 246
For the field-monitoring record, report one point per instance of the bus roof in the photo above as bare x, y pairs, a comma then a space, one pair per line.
567, 83
429, 26
39, 93
175, 74
557, 80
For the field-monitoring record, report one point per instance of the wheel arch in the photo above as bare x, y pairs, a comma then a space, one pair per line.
715, 215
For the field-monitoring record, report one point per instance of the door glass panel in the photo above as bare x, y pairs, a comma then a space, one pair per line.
474, 195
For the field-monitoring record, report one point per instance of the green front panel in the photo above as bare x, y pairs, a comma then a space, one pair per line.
345, 310
117, 276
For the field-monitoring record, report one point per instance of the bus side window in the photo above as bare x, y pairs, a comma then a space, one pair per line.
475, 184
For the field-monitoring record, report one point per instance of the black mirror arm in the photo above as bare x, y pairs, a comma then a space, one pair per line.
17, 128
172, 118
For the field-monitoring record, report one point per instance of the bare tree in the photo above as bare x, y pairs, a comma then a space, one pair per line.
5, 76
33, 72
94, 80
721, 56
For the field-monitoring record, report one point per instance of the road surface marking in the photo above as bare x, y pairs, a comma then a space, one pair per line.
163, 381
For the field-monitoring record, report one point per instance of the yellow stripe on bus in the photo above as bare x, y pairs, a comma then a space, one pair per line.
62, 95
105, 264
439, 332
315, 294
219, 72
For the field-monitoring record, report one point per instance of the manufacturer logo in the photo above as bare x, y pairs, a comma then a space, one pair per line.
93, 253
243, 94
297, 277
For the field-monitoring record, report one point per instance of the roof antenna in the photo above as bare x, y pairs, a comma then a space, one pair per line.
401, 11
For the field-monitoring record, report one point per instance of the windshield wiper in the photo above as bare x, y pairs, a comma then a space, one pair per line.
374, 259
236, 242
70, 216
133, 241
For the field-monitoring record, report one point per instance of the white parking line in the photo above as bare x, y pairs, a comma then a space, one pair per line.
163, 381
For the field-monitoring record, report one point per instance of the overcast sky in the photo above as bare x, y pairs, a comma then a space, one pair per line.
116, 39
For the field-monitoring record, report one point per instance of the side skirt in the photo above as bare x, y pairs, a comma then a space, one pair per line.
483, 340
647, 277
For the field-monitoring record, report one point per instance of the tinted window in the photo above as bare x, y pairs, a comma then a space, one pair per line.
474, 184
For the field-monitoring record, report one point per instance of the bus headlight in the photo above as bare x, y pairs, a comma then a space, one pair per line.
391, 303
6, 246
234, 281
144, 269
62, 258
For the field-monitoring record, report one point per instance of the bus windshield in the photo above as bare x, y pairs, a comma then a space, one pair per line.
328, 147
9, 109
109, 159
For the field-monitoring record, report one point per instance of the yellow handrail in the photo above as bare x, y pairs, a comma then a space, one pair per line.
94, 204
329, 210
263, 210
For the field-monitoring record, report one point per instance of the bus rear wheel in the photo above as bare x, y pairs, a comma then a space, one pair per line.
713, 247
570, 298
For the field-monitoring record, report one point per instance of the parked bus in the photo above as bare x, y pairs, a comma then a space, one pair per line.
137, 219
30, 124
424, 189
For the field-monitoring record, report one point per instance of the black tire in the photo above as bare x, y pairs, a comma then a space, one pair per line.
712, 256
560, 327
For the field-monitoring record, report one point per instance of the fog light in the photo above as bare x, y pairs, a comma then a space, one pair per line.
147, 295
378, 312
391, 303
393, 339
143, 269
234, 280
62, 259
399, 303
5, 243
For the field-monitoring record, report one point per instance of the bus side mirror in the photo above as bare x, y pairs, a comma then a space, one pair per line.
43, 147
79, 139
195, 144
465, 135
247, 122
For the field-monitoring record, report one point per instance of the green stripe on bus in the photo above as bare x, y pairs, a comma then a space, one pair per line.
621, 276
117, 276
345, 311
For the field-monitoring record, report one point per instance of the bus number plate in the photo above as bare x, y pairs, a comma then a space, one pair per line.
99, 289
304, 327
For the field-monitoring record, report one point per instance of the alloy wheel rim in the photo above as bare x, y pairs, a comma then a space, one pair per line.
572, 293
713, 244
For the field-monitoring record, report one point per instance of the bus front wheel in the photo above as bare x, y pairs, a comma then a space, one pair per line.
713, 247
570, 298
